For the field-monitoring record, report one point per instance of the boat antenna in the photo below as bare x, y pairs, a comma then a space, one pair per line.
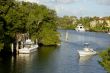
86, 44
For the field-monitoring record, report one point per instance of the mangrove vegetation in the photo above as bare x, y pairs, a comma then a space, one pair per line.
105, 60
17, 18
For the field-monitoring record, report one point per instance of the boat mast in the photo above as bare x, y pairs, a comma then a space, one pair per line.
66, 38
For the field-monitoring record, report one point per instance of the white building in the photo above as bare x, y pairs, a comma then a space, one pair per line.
108, 22
93, 23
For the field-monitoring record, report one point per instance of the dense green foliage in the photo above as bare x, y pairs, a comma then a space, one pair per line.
22, 17
66, 22
105, 62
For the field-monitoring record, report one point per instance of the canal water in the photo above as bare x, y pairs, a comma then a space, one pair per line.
62, 59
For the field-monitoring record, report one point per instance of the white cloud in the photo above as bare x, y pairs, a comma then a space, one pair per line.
56, 1
78, 7
66, 1
105, 2
71, 11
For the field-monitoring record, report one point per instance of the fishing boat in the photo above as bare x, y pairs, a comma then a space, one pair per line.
80, 28
29, 47
86, 51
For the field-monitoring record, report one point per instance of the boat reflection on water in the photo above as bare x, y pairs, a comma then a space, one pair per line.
85, 59
24, 56
23, 59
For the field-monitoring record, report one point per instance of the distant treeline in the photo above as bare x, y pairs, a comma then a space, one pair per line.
90, 23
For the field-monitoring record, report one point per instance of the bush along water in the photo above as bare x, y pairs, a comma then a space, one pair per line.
105, 59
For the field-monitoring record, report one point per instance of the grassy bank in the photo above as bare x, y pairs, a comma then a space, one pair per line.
105, 59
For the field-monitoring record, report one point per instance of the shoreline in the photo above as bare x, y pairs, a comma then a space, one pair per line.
103, 31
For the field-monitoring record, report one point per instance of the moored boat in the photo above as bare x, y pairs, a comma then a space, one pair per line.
29, 47
108, 32
80, 28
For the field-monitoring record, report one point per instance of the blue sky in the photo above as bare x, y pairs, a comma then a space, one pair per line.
78, 7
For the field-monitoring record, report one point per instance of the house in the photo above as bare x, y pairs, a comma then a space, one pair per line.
108, 22
93, 23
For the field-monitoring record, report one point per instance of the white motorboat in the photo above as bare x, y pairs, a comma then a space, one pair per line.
80, 28
29, 47
108, 32
86, 51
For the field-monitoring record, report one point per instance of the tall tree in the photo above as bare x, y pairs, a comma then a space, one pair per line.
22, 17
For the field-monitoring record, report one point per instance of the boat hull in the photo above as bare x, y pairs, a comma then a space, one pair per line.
28, 50
80, 30
108, 32
86, 53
